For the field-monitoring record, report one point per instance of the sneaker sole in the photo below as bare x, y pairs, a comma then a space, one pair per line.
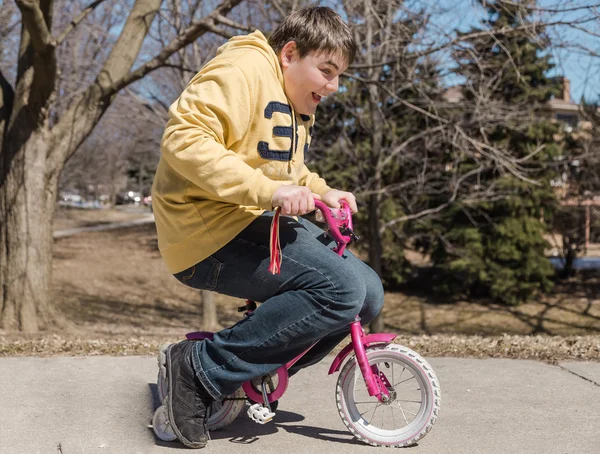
162, 360
185, 441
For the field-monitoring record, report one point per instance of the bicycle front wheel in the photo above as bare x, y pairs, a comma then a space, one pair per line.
414, 404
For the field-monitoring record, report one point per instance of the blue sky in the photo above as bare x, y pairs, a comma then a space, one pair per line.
582, 70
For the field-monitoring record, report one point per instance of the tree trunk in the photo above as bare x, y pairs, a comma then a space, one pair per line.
377, 122
374, 223
374, 200
32, 156
570, 254
27, 204
113, 196
209, 311
375, 252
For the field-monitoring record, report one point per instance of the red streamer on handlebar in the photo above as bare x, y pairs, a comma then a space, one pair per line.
274, 245
334, 230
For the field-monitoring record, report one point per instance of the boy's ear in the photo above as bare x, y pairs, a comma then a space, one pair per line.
288, 53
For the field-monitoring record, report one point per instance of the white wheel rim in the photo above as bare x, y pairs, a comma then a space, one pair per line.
408, 414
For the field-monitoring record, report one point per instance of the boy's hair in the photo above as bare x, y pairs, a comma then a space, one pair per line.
315, 29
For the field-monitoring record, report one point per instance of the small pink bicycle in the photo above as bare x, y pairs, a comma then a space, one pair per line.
386, 394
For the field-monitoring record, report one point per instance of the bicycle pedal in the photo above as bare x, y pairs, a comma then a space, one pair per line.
260, 414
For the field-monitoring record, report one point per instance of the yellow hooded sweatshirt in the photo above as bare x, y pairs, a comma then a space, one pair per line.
231, 140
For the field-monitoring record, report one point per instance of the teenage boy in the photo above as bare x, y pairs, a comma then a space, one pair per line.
233, 150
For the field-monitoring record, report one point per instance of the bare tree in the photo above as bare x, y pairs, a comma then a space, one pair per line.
409, 173
363, 126
37, 140
121, 140
67, 71
150, 102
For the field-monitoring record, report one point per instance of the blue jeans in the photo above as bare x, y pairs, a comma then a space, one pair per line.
316, 296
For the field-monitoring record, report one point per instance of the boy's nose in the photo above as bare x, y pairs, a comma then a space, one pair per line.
333, 85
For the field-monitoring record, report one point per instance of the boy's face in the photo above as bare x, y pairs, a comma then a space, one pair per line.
309, 79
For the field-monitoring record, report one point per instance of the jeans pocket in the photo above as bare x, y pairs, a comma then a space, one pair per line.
203, 275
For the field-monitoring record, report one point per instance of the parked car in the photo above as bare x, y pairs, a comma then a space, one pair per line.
71, 197
128, 197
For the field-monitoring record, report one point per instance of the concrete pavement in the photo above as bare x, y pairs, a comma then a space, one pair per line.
74, 405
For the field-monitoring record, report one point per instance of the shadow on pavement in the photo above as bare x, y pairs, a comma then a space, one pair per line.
244, 431
320, 433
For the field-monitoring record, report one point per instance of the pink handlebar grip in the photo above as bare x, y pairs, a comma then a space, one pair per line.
334, 224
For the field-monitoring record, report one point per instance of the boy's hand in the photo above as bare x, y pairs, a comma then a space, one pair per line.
333, 197
294, 200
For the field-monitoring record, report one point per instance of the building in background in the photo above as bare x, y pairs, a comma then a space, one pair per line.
564, 110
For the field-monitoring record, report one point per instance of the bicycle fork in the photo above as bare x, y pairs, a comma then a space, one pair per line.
376, 381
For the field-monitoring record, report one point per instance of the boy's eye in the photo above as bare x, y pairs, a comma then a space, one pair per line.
326, 71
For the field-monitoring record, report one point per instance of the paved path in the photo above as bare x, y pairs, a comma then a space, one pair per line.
107, 226
104, 404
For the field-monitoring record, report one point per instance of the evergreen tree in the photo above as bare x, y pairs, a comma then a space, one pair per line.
496, 246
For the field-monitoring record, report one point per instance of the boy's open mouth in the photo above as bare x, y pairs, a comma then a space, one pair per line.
317, 97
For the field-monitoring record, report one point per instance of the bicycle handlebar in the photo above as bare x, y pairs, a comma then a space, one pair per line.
334, 223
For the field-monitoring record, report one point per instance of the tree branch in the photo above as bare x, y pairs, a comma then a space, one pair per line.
219, 31
36, 72
398, 149
552, 10
158, 117
36, 26
77, 20
398, 99
585, 30
496, 155
183, 68
79, 119
230, 23
189, 35
430, 211
125, 51
506, 31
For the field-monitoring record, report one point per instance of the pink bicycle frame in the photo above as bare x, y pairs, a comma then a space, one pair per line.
375, 380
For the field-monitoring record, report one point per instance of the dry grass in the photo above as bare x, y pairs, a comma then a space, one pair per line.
549, 349
114, 288
573, 310
68, 218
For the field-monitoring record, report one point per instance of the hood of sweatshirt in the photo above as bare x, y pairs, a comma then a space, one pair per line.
257, 41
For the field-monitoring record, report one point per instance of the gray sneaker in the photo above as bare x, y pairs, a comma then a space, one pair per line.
187, 400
